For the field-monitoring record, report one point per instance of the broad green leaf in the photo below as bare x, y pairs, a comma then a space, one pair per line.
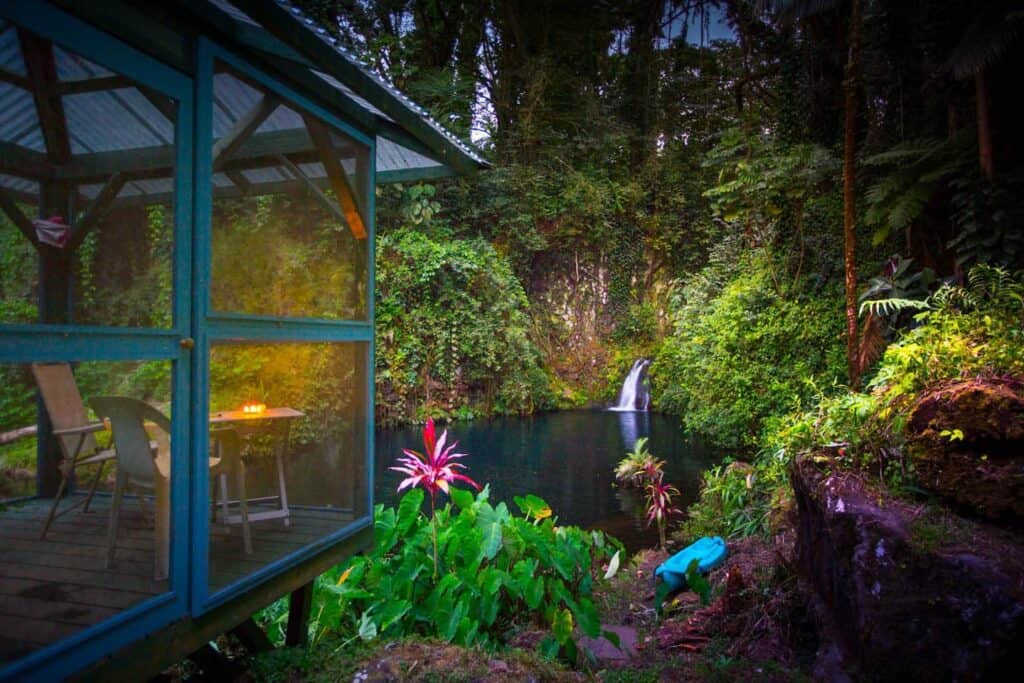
367, 627
698, 583
490, 521
613, 566
586, 617
534, 592
561, 626
549, 647
613, 638
490, 580
533, 506
462, 498
660, 593
391, 612
384, 529
409, 511
451, 628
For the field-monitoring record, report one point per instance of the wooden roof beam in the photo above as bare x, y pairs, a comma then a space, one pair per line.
239, 180
14, 79
243, 128
13, 211
97, 84
336, 175
315, 190
92, 213
24, 163
42, 76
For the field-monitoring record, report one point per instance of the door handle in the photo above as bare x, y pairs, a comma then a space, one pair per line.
187, 343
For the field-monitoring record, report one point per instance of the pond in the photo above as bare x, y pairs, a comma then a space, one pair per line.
566, 458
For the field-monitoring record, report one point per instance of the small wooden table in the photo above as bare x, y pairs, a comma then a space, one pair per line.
244, 422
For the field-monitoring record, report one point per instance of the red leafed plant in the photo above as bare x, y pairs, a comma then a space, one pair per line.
435, 470
659, 505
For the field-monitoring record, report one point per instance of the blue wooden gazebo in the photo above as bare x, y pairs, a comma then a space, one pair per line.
186, 220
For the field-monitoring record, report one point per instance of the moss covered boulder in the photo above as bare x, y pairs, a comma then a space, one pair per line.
967, 439
908, 592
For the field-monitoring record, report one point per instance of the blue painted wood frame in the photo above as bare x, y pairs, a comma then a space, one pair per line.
224, 327
27, 343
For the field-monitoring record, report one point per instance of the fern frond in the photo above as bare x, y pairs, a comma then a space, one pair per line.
887, 307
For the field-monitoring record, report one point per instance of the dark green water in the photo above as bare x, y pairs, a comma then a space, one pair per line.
566, 458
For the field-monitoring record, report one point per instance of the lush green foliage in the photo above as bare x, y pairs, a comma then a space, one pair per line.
639, 464
453, 324
968, 331
500, 572
740, 499
747, 354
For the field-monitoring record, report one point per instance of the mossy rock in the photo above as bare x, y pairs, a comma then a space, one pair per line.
967, 439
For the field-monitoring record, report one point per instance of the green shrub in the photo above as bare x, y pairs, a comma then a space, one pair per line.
500, 573
738, 499
745, 355
453, 325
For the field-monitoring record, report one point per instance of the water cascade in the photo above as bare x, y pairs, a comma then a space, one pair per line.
634, 394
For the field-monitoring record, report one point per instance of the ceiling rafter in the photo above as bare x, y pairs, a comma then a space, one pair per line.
42, 78
337, 176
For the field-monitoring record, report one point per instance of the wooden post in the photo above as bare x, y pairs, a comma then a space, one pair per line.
252, 637
54, 307
299, 604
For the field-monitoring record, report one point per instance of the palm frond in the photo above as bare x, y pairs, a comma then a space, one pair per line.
986, 40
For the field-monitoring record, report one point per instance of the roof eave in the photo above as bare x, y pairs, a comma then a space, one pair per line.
283, 21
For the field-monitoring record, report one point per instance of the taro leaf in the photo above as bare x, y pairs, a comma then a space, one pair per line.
533, 506
490, 521
367, 628
533, 592
452, 626
613, 638
549, 647
462, 498
561, 626
489, 610
698, 583
564, 563
408, 511
586, 616
490, 580
572, 655
467, 631
662, 592
384, 529
392, 612
613, 566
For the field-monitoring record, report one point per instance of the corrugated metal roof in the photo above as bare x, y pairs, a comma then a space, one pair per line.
124, 118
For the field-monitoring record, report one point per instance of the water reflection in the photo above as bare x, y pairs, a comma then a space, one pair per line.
633, 425
566, 458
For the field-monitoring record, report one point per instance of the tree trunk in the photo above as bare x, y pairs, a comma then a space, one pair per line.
850, 84
984, 125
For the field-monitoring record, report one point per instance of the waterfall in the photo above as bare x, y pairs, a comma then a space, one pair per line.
634, 394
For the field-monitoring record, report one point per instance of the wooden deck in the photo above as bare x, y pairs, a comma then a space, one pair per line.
52, 588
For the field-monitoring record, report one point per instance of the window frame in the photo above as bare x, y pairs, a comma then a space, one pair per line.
231, 327
26, 343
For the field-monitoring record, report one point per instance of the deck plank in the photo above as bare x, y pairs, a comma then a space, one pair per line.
52, 588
